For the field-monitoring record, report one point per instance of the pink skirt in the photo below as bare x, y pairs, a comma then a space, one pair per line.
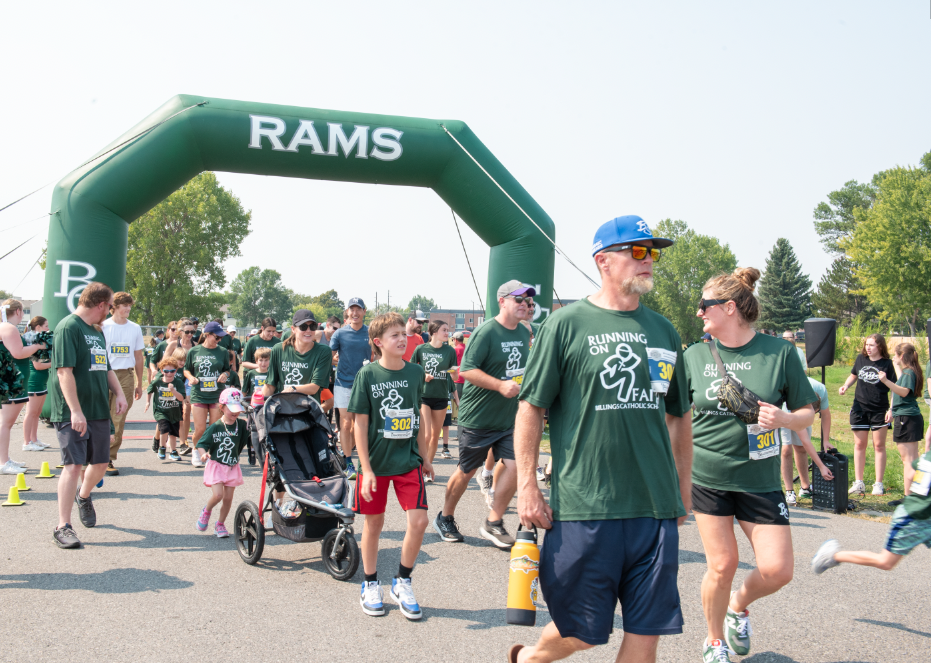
215, 473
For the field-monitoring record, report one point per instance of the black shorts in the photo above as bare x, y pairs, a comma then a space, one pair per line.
92, 448
756, 508
908, 428
172, 428
588, 566
39, 393
474, 444
448, 421
435, 403
861, 419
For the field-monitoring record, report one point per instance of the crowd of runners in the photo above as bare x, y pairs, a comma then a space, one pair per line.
639, 431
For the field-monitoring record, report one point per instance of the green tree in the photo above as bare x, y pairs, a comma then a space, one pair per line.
421, 303
785, 293
835, 221
329, 303
838, 295
5, 295
892, 246
682, 272
177, 249
256, 293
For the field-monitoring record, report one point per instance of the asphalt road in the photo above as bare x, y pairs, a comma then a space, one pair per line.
148, 587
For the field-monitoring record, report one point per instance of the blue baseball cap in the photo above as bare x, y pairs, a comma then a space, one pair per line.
213, 327
356, 301
623, 230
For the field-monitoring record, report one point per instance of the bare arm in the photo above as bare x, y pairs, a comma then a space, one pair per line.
422, 450
528, 431
810, 450
478, 377
680, 439
772, 417
360, 430
69, 391
190, 377
847, 384
14, 343
41, 365
826, 426
893, 387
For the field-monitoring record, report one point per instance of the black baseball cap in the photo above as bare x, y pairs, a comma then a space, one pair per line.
302, 316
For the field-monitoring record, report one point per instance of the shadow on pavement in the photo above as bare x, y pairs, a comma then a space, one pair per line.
102, 495
206, 541
806, 513
689, 557
895, 625
113, 581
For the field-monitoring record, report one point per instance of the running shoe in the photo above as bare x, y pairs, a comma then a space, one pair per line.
65, 537
804, 492
197, 460
824, 558
41, 444
445, 453
220, 529
204, 520
446, 528
370, 599
737, 631
894, 503
879, 488
86, 510
857, 487
17, 463
174, 455
790, 498
350, 471
161, 453
10, 468
427, 479
541, 474
496, 533
186, 449
715, 652
111, 471
32, 446
156, 443
403, 595
484, 483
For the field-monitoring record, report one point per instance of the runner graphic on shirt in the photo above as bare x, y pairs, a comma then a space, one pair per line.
224, 452
514, 360
392, 401
293, 378
619, 367
430, 366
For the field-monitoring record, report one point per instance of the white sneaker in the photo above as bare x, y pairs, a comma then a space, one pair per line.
790, 498
879, 488
32, 446
10, 468
824, 558
857, 487
41, 444
427, 479
541, 474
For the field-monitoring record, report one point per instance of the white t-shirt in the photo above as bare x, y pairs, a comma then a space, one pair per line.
122, 343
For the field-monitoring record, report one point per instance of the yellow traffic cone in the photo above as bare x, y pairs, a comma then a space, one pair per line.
13, 499
21, 482
45, 473
58, 467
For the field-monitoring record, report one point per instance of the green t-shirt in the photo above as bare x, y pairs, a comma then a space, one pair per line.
158, 354
435, 362
234, 381
906, 405
501, 353
392, 401
147, 353
83, 349
286, 367
253, 381
237, 346
723, 444
609, 378
254, 344
225, 443
164, 404
206, 365
225, 342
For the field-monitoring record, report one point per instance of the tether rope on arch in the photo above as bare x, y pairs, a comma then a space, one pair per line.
468, 262
561, 252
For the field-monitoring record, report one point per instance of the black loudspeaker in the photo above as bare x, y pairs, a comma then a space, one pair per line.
830, 495
820, 339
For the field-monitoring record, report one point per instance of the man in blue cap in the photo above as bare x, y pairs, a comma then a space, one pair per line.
610, 372
351, 344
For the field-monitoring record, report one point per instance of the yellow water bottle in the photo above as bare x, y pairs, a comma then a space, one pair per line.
524, 579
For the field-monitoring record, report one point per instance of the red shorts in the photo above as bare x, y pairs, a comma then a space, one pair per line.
409, 488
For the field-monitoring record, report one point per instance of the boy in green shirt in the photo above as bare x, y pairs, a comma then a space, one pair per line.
254, 378
392, 447
167, 405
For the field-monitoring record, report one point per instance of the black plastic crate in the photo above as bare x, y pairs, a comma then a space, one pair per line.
830, 495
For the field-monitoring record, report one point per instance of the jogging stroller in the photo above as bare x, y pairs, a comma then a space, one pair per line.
291, 436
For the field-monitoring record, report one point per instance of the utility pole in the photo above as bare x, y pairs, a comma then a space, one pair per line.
389, 300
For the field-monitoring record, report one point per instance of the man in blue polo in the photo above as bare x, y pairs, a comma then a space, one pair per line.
610, 370
351, 344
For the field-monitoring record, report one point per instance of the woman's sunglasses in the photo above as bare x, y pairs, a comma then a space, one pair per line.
307, 326
520, 299
187, 332
637, 252
708, 303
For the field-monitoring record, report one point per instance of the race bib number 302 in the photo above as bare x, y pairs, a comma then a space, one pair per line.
763, 443
399, 424
662, 366
98, 359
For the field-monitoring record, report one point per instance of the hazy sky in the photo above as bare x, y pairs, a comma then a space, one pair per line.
736, 117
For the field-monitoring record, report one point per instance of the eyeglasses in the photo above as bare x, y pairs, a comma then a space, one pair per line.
520, 299
169, 370
708, 303
637, 252
307, 326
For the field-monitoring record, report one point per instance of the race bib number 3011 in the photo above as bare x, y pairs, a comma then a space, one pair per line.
399, 424
763, 443
662, 365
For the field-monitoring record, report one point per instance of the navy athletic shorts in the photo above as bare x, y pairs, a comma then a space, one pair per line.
587, 566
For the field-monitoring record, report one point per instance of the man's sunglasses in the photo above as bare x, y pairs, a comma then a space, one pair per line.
307, 326
708, 303
637, 252
521, 299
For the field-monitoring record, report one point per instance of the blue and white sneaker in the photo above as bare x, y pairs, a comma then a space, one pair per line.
350, 470
370, 599
403, 595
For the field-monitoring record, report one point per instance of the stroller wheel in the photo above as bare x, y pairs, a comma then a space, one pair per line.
343, 562
250, 532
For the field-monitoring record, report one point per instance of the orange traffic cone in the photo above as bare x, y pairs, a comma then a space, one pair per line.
13, 499
21, 482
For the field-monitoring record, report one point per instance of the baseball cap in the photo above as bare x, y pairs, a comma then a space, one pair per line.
626, 229
459, 336
302, 316
419, 316
253, 331
516, 288
231, 397
277, 328
160, 331
194, 319
706, 337
213, 327
231, 328
356, 301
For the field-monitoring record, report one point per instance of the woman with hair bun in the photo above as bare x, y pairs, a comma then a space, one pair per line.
736, 466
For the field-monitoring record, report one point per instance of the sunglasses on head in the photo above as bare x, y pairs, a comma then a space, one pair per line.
704, 304
637, 252
307, 326
521, 298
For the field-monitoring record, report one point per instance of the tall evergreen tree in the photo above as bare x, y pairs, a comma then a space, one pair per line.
836, 295
785, 293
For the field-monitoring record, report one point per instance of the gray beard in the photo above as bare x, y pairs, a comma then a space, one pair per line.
636, 285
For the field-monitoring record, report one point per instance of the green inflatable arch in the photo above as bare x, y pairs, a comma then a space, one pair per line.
93, 206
